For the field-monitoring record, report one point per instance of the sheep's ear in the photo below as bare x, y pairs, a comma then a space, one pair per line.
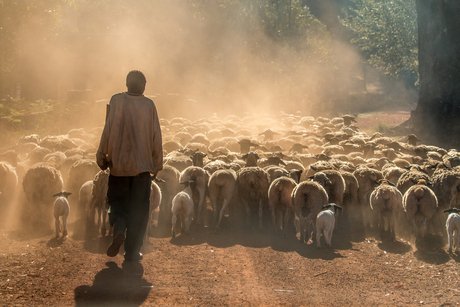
338, 207
311, 177
407, 167
57, 194
325, 207
184, 182
377, 182
452, 210
244, 157
414, 181
391, 183
429, 183
159, 180
328, 181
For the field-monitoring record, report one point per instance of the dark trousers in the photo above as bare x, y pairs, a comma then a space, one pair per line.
129, 200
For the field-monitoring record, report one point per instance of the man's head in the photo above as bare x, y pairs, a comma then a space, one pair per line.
135, 82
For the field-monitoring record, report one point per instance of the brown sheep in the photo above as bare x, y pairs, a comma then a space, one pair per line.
222, 185
308, 197
253, 184
420, 204
386, 202
280, 202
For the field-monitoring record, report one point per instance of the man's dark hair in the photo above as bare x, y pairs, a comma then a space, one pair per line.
135, 82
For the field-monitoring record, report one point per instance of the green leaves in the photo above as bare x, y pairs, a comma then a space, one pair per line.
387, 33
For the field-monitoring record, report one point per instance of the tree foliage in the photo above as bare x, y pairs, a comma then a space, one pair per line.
386, 32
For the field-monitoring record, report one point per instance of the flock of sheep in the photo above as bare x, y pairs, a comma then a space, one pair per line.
306, 174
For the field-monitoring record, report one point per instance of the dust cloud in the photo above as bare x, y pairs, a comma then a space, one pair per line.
199, 58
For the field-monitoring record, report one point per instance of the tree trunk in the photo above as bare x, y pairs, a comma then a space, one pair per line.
437, 117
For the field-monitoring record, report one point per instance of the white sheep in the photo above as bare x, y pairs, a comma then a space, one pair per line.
61, 208
155, 201
386, 201
325, 222
182, 206
280, 202
200, 181
85, 200
222, 185
453, 229
253, 184
420, 204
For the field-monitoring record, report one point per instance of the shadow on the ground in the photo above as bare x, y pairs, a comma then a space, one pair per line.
431, 250
115, 286
396, 247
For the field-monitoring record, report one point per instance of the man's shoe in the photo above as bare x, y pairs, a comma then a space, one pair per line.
135, 257
113, 249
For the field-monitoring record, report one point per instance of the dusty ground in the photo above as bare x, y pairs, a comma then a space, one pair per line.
238, 267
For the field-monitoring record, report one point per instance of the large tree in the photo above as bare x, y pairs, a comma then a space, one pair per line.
437, 116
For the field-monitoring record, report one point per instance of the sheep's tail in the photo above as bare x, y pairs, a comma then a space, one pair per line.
305, 198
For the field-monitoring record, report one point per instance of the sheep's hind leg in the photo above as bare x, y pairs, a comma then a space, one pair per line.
261, 211
222, 212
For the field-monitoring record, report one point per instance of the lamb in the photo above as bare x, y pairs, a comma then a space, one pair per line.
453, 229
420, 204
253, 184
182, 206
308, 198
386, 201
61, 208
325, 222
222, 185
280, 202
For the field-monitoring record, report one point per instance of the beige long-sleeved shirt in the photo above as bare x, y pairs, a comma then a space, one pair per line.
131, 140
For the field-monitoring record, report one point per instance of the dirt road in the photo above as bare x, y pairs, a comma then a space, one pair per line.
238, 267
